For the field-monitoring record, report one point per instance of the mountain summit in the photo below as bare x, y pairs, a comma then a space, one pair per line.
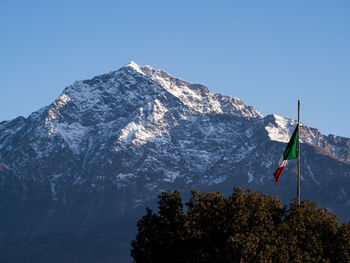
108, 145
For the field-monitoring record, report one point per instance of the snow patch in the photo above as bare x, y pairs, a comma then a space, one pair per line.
242, 152
138, 202
171, 176
53, 190
217, 180
250, 176
54, 111
343, 191
283, 129
73, 134
124, 177
267, 163
150, 186
249, 132
312, 175
136, 67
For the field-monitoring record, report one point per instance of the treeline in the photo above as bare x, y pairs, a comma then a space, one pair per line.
247, 226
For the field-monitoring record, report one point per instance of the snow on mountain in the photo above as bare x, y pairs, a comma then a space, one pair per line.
137, 105
109, 144
197, 97
281, 129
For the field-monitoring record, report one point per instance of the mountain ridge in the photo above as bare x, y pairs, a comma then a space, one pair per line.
106, 146
67, 120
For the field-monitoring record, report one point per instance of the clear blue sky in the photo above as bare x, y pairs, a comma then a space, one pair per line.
267, 53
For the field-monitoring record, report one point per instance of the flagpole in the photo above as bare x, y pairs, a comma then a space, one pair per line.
298, 187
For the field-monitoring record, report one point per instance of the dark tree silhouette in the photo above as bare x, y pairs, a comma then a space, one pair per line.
247, 226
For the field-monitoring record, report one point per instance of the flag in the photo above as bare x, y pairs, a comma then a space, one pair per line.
289, 153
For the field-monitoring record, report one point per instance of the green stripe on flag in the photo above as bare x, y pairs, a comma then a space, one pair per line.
291, 151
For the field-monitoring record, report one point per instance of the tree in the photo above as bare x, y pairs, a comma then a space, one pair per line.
162, 236
247, 226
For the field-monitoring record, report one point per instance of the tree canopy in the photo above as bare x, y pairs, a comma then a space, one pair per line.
247, 226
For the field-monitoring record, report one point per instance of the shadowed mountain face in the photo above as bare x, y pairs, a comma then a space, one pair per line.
92, 160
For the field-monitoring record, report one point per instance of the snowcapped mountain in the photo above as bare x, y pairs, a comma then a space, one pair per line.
109, 145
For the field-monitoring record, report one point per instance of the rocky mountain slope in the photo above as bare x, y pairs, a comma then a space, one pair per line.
107, 146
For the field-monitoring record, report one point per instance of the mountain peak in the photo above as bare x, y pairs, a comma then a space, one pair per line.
134, 66
144, 70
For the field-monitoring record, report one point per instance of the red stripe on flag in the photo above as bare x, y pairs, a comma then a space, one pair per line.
279, 171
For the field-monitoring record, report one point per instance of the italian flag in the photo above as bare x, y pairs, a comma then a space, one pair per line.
291, 152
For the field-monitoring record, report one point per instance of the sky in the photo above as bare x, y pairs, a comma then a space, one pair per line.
267, 53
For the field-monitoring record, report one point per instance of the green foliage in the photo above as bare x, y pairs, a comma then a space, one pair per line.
247, 226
